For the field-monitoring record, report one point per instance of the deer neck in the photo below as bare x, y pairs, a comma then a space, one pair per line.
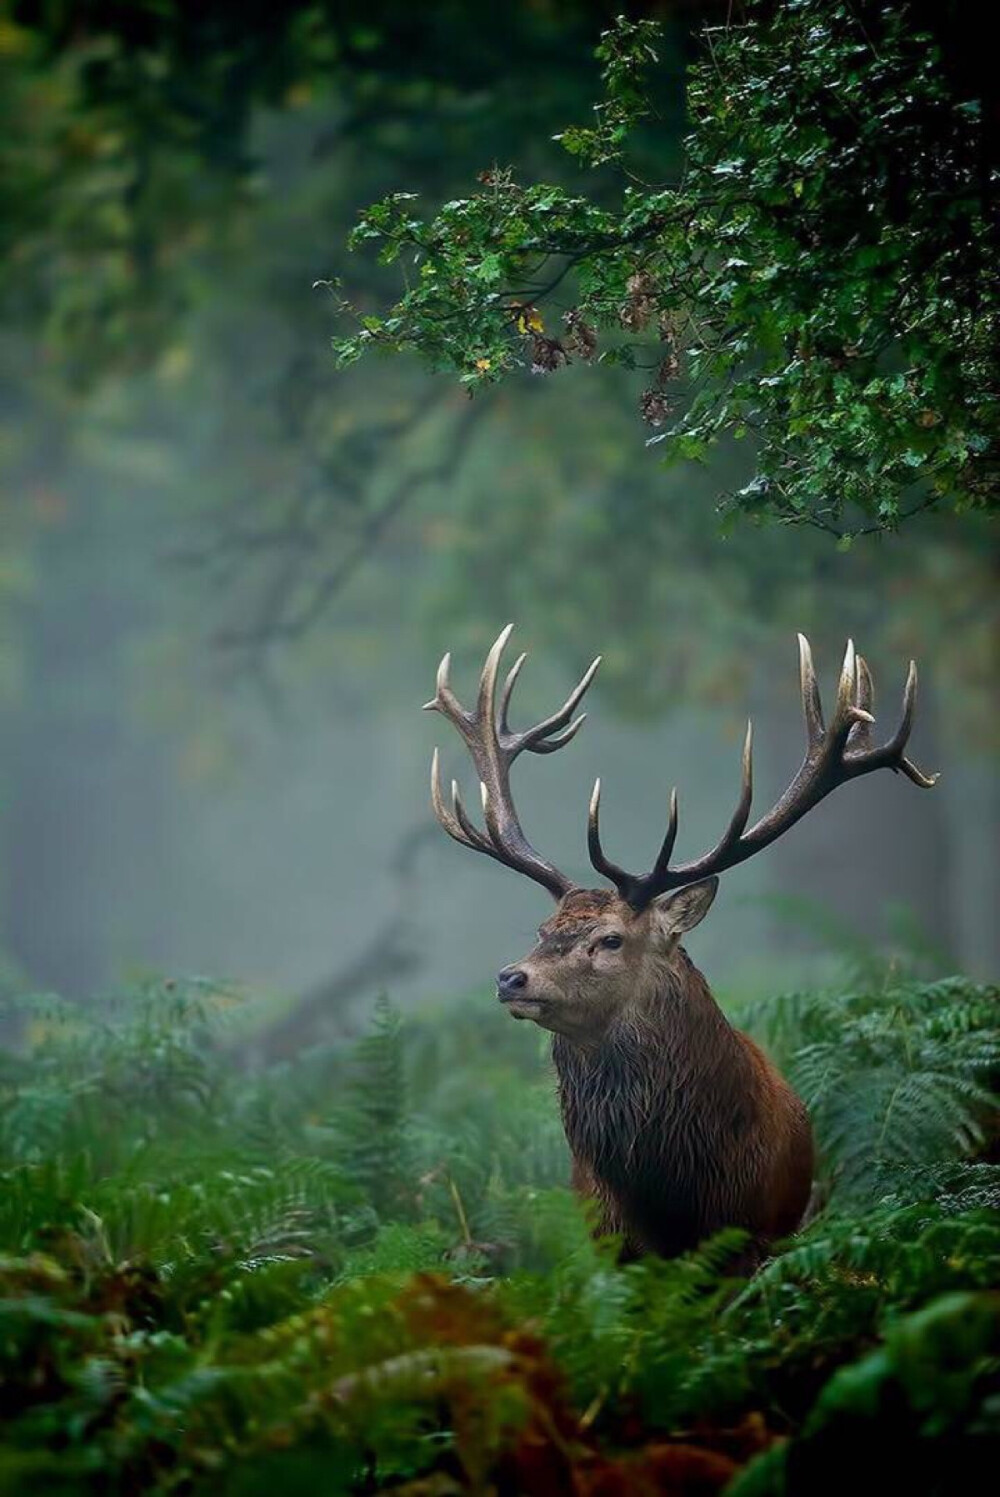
664, 1072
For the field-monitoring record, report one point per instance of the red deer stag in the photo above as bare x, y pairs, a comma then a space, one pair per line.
678, 1124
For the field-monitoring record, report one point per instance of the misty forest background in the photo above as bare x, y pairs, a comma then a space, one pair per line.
665, 382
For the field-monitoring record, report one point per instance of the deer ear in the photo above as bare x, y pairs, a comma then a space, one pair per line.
685, 908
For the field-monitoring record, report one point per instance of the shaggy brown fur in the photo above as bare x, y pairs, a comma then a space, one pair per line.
678, 1123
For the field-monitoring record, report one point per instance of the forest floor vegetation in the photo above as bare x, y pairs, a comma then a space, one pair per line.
362, 1269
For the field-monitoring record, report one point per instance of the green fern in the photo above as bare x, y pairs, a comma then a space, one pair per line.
905, 1075
373, 1122
358, 1268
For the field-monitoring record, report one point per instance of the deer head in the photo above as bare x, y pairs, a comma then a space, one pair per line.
602, 948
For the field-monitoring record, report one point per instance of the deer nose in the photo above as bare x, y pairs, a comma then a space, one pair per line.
510, 981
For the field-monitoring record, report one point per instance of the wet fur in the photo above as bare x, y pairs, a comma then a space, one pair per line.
678, 1123
680, 1126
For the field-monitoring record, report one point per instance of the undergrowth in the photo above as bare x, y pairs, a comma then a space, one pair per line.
364, 1271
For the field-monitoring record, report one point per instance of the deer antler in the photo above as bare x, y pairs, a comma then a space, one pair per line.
494, 747
841, 752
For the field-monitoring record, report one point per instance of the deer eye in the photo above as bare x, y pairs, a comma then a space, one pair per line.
611, 943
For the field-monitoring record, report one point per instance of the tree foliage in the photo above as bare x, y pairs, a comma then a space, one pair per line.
134, 162
820, 284
162, 229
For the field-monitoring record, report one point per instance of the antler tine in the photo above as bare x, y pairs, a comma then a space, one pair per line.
560, 740
602, 864
860, 737
812, 706
475, 836
920, 779
912, 772
864, 696
901, 737
849, 712
741, 814
508, 687
534, 738
486, 701
453, 820
444, 699
893, 750
846, 687
670, 837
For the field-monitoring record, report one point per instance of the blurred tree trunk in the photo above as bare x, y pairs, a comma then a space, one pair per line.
391, 955
970, 791
68, 775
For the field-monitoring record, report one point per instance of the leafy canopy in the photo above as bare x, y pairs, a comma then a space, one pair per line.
819, 285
